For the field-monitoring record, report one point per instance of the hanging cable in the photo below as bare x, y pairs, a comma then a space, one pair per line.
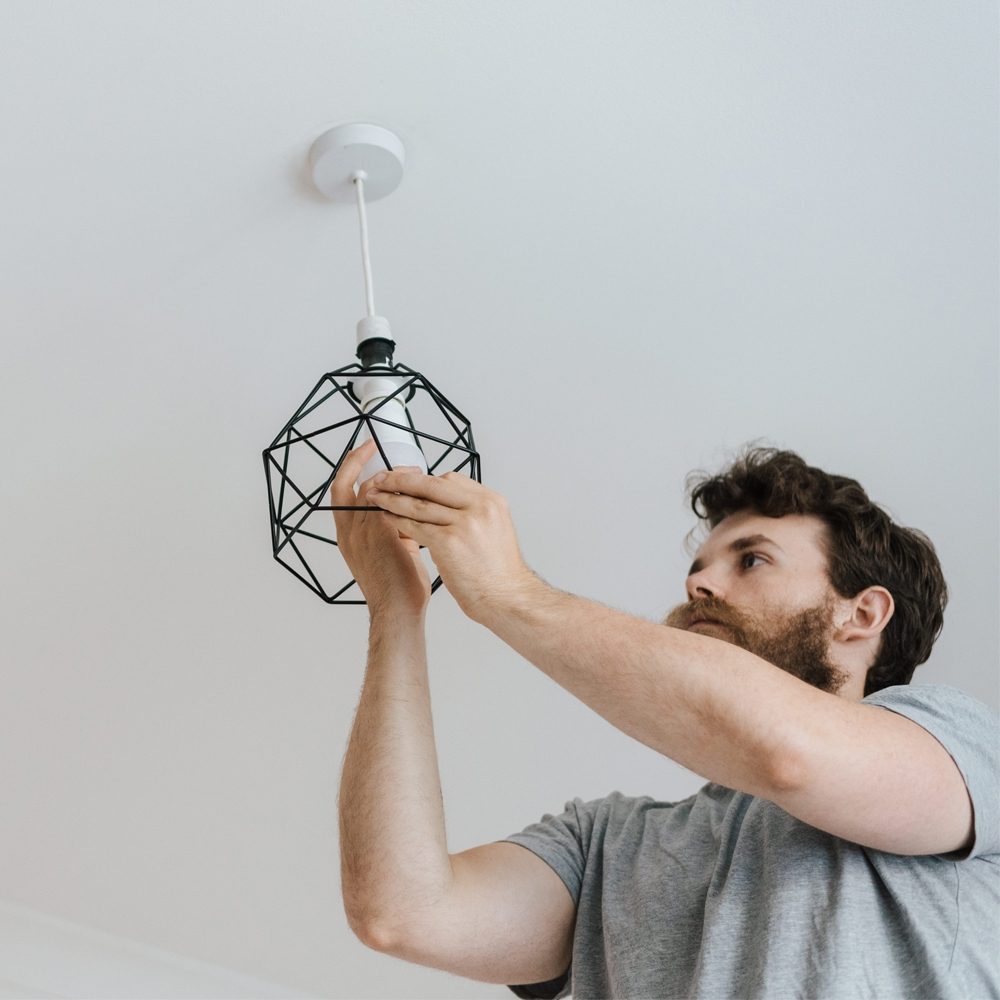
359, 182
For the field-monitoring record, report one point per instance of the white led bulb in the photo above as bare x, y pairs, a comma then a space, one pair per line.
399, 444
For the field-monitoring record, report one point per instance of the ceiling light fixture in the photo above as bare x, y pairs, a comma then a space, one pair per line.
356, 162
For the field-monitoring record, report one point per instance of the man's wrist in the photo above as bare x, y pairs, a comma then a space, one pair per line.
387, 620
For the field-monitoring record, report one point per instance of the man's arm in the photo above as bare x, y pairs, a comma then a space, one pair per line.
393, 850
715, 708
860, 772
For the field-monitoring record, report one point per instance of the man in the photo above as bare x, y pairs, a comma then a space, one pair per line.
846, 843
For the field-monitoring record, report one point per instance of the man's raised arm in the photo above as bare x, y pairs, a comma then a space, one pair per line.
393, 852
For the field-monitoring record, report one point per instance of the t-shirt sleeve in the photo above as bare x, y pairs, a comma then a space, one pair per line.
970, 732
563, 843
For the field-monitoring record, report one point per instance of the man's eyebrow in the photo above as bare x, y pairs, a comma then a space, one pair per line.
747, 542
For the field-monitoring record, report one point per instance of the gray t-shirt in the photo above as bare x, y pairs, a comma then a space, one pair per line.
726, 895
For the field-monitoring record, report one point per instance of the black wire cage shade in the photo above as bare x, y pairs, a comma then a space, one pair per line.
302, 461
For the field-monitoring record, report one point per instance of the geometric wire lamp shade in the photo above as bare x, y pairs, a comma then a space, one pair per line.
303, 459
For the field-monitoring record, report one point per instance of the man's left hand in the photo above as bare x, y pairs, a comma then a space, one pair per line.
467, 528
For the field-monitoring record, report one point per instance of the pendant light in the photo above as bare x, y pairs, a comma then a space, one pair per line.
411, 421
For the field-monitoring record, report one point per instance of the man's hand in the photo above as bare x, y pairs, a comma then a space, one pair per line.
466, 527
387, 566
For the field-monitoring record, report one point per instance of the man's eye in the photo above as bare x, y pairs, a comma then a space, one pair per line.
751, 555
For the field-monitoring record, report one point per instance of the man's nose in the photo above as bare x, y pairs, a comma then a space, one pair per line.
699, 587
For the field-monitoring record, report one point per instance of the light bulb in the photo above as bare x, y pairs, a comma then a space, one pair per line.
399, 444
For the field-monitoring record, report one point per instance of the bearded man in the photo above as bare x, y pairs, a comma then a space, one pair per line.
847, 841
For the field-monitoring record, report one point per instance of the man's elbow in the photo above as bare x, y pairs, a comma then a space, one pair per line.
784, 774
368, 933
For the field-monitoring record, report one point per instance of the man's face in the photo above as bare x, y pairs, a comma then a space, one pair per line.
771, 598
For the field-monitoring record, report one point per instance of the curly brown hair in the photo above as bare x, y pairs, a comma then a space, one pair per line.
863, 546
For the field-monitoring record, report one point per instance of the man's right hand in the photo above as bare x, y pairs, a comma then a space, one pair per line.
387, 566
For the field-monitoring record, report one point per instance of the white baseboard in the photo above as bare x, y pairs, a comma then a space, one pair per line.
44, 957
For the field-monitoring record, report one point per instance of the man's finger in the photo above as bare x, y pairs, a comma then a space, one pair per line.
369, 483
416, 509
342, 491
455, 493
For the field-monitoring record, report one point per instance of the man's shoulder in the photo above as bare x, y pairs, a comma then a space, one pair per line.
930, 694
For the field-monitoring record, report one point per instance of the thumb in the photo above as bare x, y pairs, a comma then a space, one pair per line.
342, 489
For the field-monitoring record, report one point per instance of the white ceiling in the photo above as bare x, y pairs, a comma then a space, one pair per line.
629, 239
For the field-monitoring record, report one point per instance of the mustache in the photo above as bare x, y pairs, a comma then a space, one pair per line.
709, 609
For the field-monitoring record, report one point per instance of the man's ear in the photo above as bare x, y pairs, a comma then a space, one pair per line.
867, 614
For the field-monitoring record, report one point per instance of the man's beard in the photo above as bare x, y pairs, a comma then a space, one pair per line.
797, 644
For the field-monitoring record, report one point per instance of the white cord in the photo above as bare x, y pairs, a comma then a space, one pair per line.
359, 182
